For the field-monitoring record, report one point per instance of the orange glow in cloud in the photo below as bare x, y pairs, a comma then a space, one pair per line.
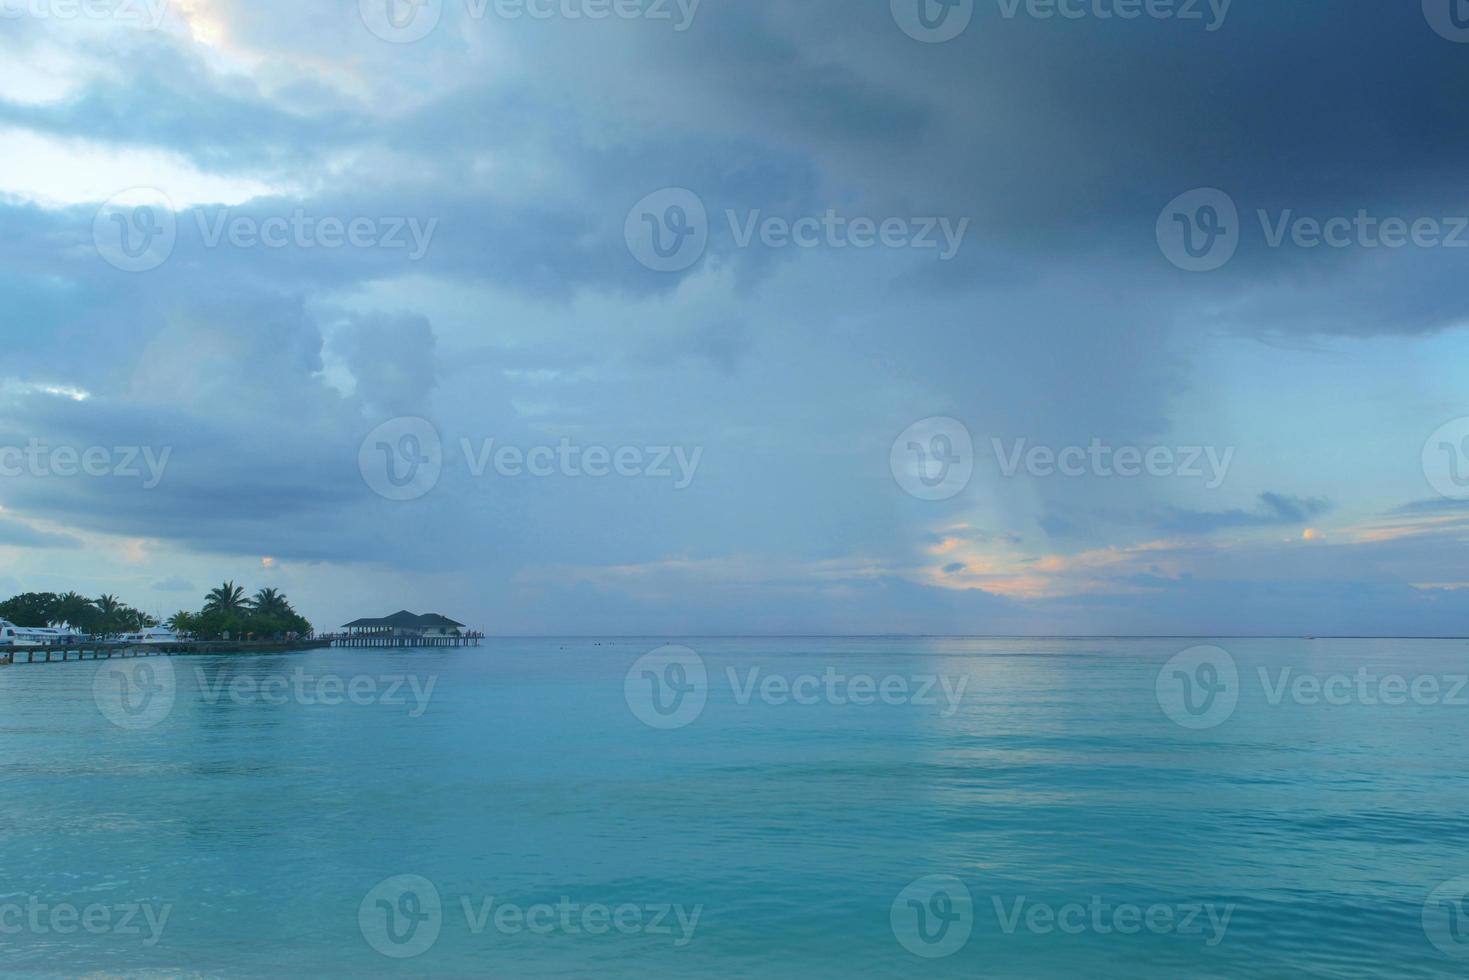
1005, 570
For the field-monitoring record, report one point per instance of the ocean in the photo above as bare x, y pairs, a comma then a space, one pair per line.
718, 807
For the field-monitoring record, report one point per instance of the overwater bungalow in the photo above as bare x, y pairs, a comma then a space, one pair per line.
406, 625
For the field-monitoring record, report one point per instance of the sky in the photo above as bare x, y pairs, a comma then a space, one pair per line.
663, 317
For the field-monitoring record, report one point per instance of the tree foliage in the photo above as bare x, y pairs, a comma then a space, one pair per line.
102, 616
226, 610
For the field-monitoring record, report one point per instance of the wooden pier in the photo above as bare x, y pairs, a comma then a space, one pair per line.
387, 641
60, 654
117, 650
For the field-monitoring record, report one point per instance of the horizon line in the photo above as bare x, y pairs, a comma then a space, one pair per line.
965, 636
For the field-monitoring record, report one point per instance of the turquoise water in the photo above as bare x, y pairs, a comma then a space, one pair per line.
254, 830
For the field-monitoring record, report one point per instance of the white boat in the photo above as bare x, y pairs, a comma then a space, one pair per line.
12, 635
152, 634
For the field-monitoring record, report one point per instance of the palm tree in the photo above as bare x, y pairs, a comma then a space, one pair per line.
108, 608
270, 602
229, 597
183, 623
75, 610
135, 619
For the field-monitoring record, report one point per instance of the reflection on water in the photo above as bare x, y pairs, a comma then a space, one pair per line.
876, 807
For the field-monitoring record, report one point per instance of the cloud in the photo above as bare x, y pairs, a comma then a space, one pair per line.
1274, 510
14, 533
526, 320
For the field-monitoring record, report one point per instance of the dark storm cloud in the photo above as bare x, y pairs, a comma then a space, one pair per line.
1062, 140
1274, 510
525, 317
24, 536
